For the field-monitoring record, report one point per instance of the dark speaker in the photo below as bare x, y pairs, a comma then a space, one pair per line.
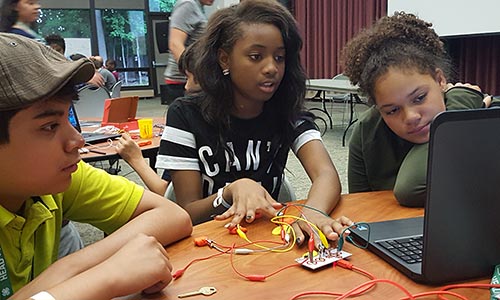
161, 30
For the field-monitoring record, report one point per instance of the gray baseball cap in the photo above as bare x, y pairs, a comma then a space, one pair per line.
31, 71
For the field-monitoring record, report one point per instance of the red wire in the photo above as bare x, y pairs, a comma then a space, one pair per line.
440, 295
354, 292
180, 272
366, 273
315, 293
468, 285
372, 282
258, 277
347, 265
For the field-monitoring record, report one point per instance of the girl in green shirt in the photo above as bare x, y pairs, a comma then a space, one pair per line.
401, 65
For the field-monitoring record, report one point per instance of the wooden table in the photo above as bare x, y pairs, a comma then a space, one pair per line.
217, 272
149, 151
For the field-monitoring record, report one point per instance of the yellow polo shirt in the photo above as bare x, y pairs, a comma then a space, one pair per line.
30, 243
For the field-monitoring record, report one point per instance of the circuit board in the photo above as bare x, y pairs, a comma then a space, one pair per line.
322, 258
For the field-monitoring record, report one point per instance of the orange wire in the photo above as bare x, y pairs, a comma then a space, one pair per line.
311, 293
371, 283
180, 272
440, 294
347, 265
366, 273
468, 285
260, 277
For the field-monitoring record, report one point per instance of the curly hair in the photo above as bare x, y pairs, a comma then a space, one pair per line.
224, 28
400, 41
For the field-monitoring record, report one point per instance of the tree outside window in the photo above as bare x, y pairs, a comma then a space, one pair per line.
161, 5
68, 24
122, 37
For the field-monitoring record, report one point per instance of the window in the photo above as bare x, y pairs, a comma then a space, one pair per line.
161, 5
68, 24
121, 35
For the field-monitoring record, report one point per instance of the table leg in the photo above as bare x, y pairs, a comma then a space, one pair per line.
351, 117
324, 109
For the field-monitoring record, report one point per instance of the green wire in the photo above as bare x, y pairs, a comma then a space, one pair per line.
340, 243
306, 206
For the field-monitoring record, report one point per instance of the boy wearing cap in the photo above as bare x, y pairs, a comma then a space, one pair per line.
43, 181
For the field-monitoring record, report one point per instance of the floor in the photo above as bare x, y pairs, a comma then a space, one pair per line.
332, 139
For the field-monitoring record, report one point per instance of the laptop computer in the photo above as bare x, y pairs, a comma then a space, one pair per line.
89, 137
458, 238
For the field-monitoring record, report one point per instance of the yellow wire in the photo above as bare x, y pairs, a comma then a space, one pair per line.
244, 236
322, 236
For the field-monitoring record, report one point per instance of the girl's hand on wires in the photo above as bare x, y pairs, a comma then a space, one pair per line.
330, 227
249, 198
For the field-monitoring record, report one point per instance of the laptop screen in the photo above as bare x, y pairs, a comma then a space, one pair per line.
72, 118
461, 236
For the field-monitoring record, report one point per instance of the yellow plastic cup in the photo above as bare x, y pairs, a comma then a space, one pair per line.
145, 128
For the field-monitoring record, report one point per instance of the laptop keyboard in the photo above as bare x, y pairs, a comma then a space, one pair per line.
407, 249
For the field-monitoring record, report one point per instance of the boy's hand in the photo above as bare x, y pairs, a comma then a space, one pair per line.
142, 264
128, 148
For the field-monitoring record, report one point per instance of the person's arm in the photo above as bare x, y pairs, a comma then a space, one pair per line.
155, 217
140, 264
96, 80
356, 168
324, 193
464, 96
411, 183
183, 21
131, 153
245, 196
188, 194
176, 43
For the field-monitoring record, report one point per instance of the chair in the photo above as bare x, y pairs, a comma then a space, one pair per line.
90, 103
116, 89
286, 192
341, 97
326, 96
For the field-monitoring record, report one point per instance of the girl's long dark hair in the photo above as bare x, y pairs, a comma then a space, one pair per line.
8, 15
224, 28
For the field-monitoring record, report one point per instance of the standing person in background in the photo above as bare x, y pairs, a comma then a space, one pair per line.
19, 16
402, 66
226, 147
187, 22
111, 66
